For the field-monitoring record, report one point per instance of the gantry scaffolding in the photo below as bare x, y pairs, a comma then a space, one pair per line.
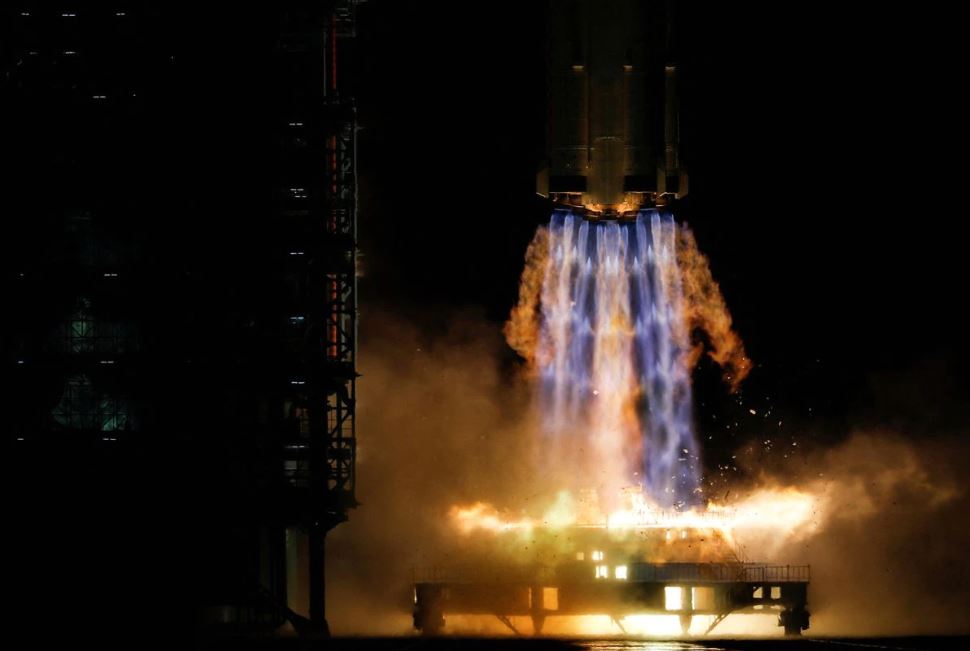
150, 337
318, 216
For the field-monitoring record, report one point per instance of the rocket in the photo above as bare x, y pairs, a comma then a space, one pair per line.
613, 144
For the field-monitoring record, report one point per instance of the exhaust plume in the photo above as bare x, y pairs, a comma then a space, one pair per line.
606, 316
522, 329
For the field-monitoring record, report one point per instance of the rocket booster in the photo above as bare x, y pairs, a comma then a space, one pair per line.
613, 129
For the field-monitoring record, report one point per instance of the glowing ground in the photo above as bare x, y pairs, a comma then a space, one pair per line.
927, 643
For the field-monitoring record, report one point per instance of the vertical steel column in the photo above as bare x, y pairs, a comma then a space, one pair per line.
320, 203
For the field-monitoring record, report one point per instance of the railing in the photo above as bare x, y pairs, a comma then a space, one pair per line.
780, 573
718, 572
642, 572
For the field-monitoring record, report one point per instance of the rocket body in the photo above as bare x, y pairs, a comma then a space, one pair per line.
612, 142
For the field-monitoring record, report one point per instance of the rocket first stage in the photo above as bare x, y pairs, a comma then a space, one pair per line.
613, 141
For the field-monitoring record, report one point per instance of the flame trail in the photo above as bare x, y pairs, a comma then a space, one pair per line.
707, 312
522, 328
612, 354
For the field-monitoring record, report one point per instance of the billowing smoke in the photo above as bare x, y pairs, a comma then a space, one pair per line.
444, 421
888, 535
440, 422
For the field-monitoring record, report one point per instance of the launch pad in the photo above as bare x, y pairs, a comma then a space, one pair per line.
581, 571
682, 589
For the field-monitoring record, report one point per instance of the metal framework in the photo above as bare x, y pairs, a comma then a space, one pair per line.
717, 589
318, 213
83, 407
318, 210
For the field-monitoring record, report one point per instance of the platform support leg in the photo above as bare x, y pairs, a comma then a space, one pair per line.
508, 623
717, 620
795, 620
429, 622
429, 616
685, 620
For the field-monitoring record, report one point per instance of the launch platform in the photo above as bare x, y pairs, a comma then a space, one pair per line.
618, 591
591, 570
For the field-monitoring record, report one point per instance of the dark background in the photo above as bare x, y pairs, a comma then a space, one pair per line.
824, 147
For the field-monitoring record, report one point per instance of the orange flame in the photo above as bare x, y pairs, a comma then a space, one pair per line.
704, 307
522, 329
789, 512
483, 516
706, 311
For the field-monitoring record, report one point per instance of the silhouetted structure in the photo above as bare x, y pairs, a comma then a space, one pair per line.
685, 572
318, 215
181, 315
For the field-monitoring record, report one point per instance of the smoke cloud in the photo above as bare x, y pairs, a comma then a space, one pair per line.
888, 538
443, 421
440, 422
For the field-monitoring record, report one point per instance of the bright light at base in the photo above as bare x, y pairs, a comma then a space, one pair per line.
650, 626
673, 597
